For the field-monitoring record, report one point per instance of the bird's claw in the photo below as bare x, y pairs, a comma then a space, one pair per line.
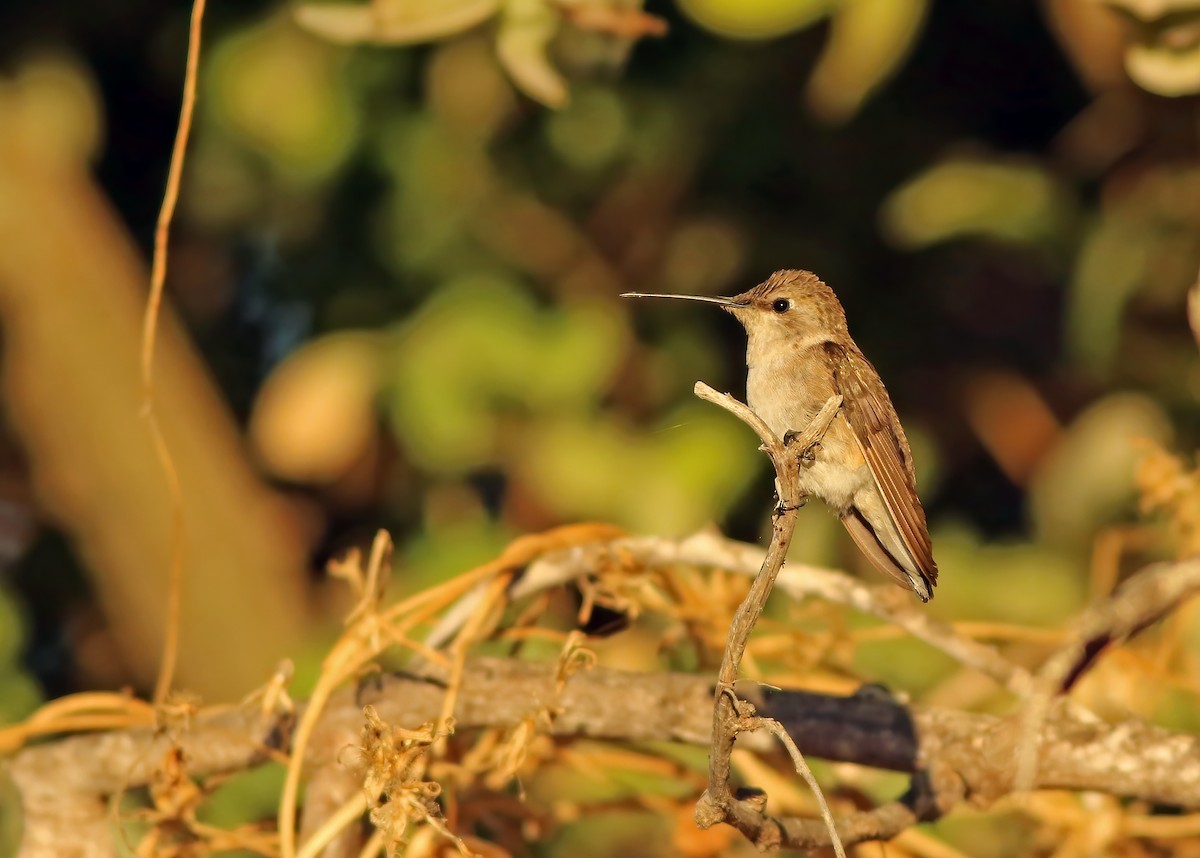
781, 508
809, 454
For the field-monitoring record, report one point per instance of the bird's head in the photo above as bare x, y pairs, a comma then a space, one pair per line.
788, 307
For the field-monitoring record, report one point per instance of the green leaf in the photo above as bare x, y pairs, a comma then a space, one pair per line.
868, 39
1010, 200
526, 30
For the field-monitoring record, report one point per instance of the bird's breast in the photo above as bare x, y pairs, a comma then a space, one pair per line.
787, 395
786, 391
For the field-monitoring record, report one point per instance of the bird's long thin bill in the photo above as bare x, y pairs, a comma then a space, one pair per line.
706, 299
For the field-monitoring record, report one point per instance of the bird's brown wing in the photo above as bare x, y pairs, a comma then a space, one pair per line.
868, 543
869, 411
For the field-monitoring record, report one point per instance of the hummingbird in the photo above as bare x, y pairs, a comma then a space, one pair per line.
799, 353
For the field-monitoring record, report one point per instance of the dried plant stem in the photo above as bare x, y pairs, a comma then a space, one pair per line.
373, 628
359, 644
776, 729
470, 633
158, 277
333, 825
89, 710
730, 715
374, 845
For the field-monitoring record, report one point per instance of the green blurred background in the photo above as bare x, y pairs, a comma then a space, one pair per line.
399, 262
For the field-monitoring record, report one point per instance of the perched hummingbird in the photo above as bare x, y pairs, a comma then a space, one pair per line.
799, 353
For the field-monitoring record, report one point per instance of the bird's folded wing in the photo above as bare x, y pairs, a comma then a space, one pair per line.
869, 411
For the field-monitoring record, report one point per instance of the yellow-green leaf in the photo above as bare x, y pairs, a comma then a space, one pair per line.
395, 22
868, 39
521, 44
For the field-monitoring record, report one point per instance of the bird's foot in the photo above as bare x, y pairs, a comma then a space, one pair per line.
781, 508
806, 456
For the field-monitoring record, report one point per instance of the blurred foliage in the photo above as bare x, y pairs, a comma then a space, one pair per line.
51, 104
1169, 487
526, 31
245, 798
1019, 203
868, 39
254, 78
1164, 55
19, 691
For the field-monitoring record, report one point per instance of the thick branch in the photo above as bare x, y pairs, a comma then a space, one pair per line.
1130, 759
1140, 602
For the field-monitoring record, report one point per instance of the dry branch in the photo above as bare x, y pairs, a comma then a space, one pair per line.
1141, 601
708, 549
732, 716
972, 754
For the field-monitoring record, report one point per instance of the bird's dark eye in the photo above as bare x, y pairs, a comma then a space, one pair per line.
781, 305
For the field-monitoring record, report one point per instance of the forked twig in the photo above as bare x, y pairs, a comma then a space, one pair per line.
730, 715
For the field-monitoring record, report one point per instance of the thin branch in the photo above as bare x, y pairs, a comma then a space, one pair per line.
709, 549
332, 830
731, 716
776, 729
158, 277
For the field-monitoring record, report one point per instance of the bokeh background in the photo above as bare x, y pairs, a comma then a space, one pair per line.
393, 297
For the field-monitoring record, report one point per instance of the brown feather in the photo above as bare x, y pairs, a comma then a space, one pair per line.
868, 543
872, 417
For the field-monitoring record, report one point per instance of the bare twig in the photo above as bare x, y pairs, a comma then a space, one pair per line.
776, 729
731, 716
